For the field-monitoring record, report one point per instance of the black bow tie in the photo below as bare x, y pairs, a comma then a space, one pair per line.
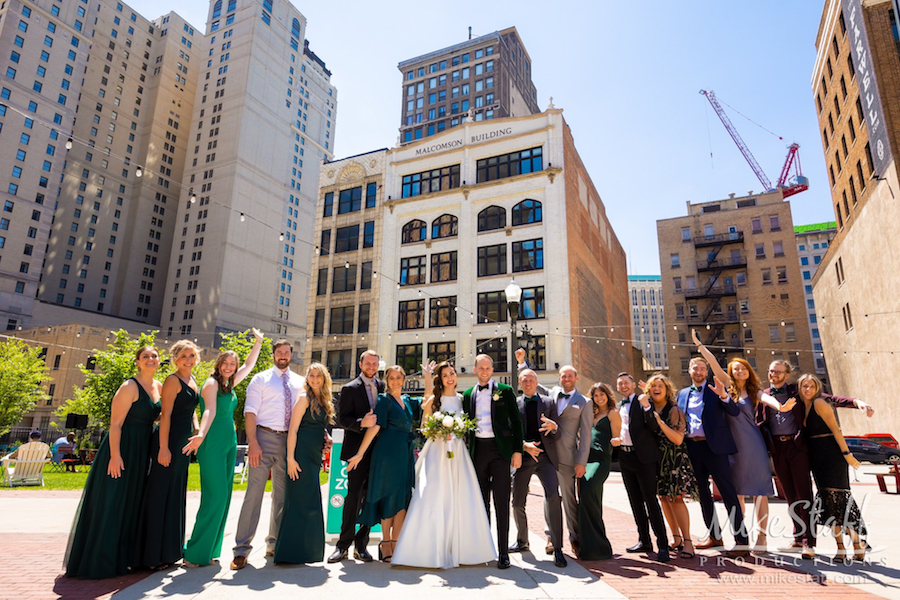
566, 396
626, 401
696, 388
776, 390
484, 387
531, 399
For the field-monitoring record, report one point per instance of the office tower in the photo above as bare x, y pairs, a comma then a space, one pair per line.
648, 323
812, 244
488, 77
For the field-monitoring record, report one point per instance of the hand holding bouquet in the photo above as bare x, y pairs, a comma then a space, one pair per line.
445, 424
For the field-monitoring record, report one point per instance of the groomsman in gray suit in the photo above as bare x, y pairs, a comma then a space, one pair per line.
573, 443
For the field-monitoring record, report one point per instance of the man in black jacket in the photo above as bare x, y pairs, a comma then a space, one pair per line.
355, 414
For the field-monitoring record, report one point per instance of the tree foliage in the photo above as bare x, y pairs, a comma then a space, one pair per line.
22, 381
242, 343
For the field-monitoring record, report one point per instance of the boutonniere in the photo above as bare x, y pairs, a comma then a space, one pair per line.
496, 396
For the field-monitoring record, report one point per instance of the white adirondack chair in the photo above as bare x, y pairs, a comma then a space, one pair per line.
28, 466
240, 463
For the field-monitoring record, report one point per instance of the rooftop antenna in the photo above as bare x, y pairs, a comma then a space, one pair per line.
470, 32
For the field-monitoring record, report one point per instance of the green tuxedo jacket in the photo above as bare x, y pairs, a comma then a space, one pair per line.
505, 418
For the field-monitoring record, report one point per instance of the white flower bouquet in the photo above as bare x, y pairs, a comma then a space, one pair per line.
444, 424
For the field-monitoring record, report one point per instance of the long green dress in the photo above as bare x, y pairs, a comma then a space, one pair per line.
594, 543
392, 474
301, 538
216, 456
160, 536
102, 537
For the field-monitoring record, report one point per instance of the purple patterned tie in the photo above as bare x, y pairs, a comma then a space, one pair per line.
285, 377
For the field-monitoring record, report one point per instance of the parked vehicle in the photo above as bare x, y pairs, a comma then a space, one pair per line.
885, 439
873, 452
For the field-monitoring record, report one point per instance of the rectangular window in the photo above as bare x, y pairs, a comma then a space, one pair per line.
442, 351
365, 277
532, 303
528, 255
685, 234
442, 312
319, 322
322, 283
444, 178
411, 314
497, 350
325, 244
766, 276
443, 266
510, 165
363, 324
349, 200
492, 260
774, 223
371, 191
369, 234
339, 361
413, 270
777, 249
775, 333
848, 318
341, 320
675, 260
328, 204
756, 225
781, 274
347, 239
343, 279
409, 356
492, 307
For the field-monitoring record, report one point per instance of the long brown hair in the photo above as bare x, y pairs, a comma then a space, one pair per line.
326, 402
670, 387
439, 384
225, 385
752, 384
610, 402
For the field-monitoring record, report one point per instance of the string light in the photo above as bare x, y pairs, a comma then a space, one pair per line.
69, 144
139, 172
243, 218
281, 237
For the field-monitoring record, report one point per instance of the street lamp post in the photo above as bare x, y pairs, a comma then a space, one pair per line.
513, 297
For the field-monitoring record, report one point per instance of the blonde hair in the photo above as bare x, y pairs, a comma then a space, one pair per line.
326, 402
182, 345
814, 379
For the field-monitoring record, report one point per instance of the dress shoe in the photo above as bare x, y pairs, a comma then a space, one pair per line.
549, 547
238, 563
639, 547
663, 554
519, 547
559, 559
737, 553
708, 543
503, 561
362, 554
338, 555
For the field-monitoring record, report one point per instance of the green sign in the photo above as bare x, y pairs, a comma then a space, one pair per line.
337, 486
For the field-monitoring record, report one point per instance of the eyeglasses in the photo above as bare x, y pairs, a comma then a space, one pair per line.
776, 372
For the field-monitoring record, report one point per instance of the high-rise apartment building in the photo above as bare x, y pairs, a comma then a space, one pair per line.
648, 323
423, 239
262, 123
730, 271
856, 95
812, 244
488, 77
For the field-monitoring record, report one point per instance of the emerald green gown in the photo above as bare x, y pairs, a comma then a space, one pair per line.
160, 535
301, 538
216, 456
102, 537
594, 543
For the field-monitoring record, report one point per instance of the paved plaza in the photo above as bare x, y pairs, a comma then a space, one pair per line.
34, 529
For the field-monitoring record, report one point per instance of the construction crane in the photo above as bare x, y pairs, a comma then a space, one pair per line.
791, 163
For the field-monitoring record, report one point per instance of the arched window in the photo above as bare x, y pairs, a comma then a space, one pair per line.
217, 9
444, 226
493, 217
295, 28
232, 4
527, 211
414, 231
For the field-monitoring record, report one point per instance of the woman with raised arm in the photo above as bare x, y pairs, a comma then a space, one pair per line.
446, 524
392, 474
216, 448
828, 460
676, 475
750, 468
101, 544
301, 538
160, 535
604, 435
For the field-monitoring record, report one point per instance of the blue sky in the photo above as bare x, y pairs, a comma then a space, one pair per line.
626, 74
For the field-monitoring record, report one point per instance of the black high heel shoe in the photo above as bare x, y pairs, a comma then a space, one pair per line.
381, 556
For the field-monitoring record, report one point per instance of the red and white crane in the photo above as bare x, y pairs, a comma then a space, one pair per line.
798, 184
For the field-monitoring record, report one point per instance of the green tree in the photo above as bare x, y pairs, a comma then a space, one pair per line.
242, 343
21, 381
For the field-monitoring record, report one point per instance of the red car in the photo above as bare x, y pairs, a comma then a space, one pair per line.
885, 439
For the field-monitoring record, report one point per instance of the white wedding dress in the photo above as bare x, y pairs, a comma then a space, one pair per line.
446, 524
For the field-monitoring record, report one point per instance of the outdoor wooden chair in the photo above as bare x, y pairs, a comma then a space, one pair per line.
28, 466
240, 464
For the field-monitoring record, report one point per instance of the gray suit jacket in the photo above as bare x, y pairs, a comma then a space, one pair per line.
573, 440
548, 441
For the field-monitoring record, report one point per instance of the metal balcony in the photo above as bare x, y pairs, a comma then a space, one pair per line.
728, 318
721, 263
717, 291
736, 237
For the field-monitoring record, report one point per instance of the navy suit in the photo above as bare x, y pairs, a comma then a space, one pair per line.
709, 457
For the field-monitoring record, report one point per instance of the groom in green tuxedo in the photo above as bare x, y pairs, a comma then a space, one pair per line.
496, 444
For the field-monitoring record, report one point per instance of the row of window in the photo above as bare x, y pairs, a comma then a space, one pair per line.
490, 219
527, 255
346, 239
454, 62
350, 200
643, 298
491, 309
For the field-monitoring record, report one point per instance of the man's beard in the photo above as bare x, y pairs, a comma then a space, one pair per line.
282, 363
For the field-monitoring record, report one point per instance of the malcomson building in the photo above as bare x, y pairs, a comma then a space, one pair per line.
730, 270
459, 216
856, 97
487, 77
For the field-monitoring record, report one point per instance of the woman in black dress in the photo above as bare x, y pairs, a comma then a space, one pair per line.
828, 460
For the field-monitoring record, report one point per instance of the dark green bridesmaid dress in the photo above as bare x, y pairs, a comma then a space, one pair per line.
160, 536
392, 474
101, 542
594, 543
301, 538
216, 456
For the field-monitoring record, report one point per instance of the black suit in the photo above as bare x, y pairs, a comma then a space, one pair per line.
639, 464
353, 406
545, 468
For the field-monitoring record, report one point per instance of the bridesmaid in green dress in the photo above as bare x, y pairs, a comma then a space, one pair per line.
101, 542
216, 449
301, 538
160, 535
604, 435
392, 472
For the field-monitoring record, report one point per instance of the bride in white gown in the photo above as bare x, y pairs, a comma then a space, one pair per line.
446, 524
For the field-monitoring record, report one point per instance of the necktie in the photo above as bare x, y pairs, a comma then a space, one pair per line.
483, 387
696, 388
372, 393
288, 405
776, 390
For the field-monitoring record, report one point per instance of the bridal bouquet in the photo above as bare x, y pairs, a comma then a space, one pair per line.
444, 424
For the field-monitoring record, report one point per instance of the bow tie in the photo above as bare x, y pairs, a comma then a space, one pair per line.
776, 390
626, 401
484, 387
566, 396
696, 388
531, 399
